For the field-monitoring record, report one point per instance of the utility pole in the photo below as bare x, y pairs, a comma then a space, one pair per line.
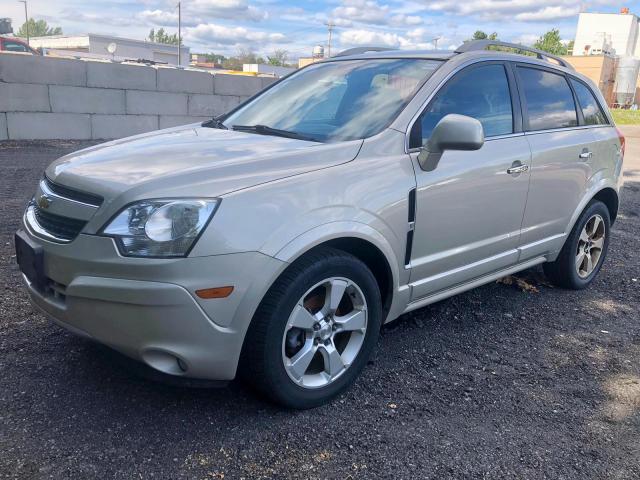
435, 42
179, 34
26, 18
330, 26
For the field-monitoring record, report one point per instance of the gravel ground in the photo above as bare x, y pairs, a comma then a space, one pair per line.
495, 383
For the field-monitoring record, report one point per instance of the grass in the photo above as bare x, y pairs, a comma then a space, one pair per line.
626, 117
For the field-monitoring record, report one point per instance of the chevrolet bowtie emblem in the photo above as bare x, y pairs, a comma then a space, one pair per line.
44, 201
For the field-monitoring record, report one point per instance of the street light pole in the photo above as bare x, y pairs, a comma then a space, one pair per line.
330, 26
179, 34
26, 18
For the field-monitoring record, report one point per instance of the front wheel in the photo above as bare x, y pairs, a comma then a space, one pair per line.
584, 251
314, 330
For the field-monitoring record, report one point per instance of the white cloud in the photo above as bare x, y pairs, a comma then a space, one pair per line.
548, 13
414, 39
159, 17
368, 37
372, 13
519, 10
195, 11
213, 34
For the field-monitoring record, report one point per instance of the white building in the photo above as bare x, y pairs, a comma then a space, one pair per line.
607, 33
96, 46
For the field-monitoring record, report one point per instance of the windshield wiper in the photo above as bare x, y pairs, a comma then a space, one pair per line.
265, 130
215, 123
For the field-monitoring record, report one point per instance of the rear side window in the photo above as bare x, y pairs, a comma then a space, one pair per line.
548, 98
479, 92
591, 111
10, 46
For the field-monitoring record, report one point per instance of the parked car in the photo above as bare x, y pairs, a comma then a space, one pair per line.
274, 242
15, 45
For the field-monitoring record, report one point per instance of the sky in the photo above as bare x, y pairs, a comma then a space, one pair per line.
263, 26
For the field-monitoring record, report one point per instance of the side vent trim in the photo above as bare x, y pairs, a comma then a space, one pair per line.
407, 253
412, 205
411, 218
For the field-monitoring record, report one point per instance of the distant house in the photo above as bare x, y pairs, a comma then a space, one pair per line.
97, 46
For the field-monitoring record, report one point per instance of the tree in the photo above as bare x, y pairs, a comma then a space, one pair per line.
163, 37
38, 28
243, 56
278, 58
550, 42
214, 58
480, 35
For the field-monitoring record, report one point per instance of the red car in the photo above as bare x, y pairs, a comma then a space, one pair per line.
12, 44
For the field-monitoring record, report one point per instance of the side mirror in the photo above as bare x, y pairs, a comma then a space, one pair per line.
453, 132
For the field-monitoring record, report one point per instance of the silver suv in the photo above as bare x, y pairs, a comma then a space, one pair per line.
273, 242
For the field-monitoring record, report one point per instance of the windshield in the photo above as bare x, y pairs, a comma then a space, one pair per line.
337, 101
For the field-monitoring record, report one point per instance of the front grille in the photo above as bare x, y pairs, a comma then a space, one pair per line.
63, 228
72, 194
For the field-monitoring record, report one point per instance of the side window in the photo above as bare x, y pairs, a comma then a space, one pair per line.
591, 111
479, 92
14, 47
548, 98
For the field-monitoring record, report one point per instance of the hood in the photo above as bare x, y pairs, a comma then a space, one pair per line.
193, 161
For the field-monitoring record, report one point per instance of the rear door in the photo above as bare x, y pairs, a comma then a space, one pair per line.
562, 156
605, 154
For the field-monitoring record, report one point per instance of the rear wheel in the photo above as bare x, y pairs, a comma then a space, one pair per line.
584, 251
314, 330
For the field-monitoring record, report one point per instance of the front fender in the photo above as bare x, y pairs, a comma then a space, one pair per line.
351, 229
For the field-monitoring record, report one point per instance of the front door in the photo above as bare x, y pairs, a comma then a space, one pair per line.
469, 209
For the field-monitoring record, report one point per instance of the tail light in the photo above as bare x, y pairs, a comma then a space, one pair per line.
622, 142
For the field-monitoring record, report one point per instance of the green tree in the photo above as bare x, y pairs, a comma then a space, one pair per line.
480, 35
163, 37
278, 58
38, 28
550, 42
243, 56
214, 58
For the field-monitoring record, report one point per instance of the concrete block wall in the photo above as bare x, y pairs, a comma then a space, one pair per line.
54, 98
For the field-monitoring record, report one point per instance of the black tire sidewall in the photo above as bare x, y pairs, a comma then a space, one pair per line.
568, 254
281, 386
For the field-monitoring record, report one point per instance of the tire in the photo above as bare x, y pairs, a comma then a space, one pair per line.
283, 335
568, 270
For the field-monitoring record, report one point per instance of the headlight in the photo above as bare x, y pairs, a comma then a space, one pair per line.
160, 228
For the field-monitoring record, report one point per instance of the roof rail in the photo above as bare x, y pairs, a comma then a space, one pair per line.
476, 45
359, 50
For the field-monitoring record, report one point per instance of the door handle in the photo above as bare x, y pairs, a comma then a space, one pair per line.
586, 154
516, 168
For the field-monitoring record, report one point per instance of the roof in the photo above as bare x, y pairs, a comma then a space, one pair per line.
473, 47
425, 54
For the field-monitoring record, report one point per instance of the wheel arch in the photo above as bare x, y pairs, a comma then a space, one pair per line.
361, 241
609, 197
604, 191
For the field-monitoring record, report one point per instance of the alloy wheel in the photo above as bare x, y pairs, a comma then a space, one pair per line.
590, 245
325, 332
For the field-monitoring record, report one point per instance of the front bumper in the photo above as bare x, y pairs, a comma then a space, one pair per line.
147, 308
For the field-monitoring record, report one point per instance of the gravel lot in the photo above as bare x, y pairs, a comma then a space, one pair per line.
495, 383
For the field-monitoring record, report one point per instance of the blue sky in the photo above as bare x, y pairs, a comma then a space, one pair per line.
225, 26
